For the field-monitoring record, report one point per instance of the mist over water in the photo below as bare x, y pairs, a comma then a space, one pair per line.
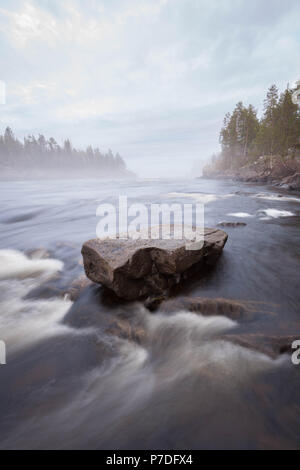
164, 380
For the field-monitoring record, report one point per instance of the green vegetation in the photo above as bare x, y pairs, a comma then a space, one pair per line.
244, 137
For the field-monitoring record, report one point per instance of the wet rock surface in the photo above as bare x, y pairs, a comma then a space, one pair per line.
136, 269
266, 169
232, 224
234, 309
77, 287
291, 182
270, 345
129, 321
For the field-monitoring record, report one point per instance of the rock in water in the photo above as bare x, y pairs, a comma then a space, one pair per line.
135, 269
292, 182
232, 224
270, 345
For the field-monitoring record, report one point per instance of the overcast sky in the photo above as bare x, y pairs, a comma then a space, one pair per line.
149, 79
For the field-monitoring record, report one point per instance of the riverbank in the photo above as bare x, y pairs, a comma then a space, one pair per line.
266, 169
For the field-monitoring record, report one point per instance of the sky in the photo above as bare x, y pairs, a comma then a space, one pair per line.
150, 79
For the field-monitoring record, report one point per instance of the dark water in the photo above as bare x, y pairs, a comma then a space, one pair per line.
171, 382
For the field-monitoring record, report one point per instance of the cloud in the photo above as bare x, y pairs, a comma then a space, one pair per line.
150, 79
28, 24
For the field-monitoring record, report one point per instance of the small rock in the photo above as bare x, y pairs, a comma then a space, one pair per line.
77, 287
152, 303
39, 253
232, 224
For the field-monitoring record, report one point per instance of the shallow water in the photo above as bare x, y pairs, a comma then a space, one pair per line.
69, 382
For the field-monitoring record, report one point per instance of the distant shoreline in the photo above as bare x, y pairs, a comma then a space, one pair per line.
47, 177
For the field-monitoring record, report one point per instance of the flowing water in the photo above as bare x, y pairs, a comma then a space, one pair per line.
169, 380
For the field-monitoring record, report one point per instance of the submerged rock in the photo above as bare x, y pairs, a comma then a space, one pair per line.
39, 253
270, 345
232, 224
230, 308
140, 268
77, 287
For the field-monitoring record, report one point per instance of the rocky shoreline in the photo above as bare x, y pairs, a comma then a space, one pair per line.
284, 173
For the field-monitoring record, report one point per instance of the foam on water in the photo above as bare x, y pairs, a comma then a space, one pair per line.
274, 214
242, 215
146, 380
190, 341
26, 321
276, 197
267, 214
200, 197
15, 264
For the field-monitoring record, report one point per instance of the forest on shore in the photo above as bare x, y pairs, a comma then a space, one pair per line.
244, 136
40, 156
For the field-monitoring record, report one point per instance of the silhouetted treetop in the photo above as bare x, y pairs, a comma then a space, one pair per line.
46, 154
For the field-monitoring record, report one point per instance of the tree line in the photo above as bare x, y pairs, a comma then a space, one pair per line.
42, 154
244, 136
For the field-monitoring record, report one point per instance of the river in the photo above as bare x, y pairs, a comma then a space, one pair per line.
69, 383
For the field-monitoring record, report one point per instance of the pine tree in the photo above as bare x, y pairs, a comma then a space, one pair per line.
270, 120
237, 135
287, 125
41, 154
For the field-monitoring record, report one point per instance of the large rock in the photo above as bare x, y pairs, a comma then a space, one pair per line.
140, 268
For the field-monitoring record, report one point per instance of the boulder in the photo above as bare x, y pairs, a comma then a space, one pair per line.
292, 182
140, 268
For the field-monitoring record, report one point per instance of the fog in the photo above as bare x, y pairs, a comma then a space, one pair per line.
150, 80
45, 158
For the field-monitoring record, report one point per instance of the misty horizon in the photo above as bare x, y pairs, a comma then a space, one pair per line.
160, 100
41, 157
